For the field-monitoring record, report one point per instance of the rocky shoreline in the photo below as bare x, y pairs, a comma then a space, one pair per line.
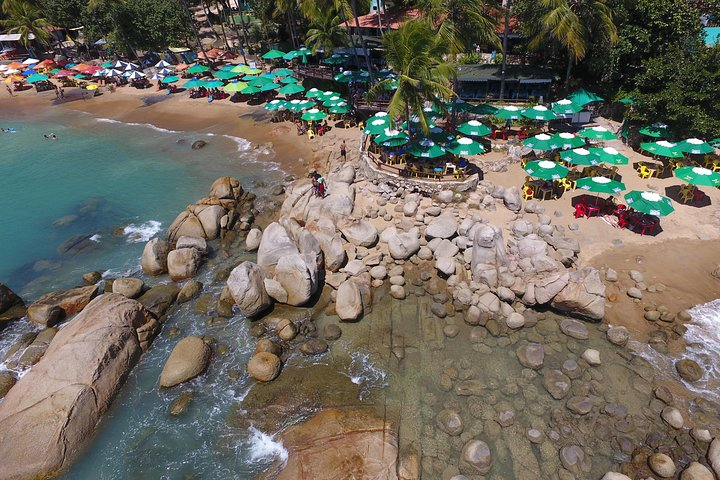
506, 385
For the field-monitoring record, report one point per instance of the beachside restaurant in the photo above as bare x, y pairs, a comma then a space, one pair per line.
522, 82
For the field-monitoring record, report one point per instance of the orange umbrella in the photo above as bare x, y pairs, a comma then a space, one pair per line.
80, 67
16, 66
181, 66
14, 78
44, 64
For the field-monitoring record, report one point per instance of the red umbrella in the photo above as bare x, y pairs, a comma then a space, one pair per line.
64, 73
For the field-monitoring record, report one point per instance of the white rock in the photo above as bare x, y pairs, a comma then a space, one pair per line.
591, 356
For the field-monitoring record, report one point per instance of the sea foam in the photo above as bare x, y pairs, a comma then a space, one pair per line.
143, 232
264, 447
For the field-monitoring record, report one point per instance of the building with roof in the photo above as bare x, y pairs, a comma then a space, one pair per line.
522, 82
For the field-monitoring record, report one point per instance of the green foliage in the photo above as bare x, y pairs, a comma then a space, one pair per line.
155, 24
461, 23
472, 58
416, 55
65, 13
681, 89
25, 18
326, 32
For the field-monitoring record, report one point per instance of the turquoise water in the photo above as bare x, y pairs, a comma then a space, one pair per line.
115, 185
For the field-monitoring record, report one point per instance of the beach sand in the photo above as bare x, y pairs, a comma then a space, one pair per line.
680, 256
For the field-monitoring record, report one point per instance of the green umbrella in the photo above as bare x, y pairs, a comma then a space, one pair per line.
275, 105
269, 76
579, 156
36, 77
258, 81
234, 87
170, 79
213, 84
314, 114
313, 93
426, 148
663, 148
656, 130
627, 100
336, 59
269, 86
56, 70
239, 68
695, 146
247, 70
250, 90
391, 85
344, 77
609, 155
546, 169
439, 135
376, 125
283, 72
327, 95
225, 74
460, 105
341, 107
715, 142
248, 78
583, 97
539, 112
649, 202
509, 112
391, 138
197, 68
474, 129
80, 76
291, 89
107, 64
597, 133
193, 83
464, 146
415, 122
295, 105
290, 55
332, 101
273, 54
566, 107
566, 140
287, 80
541, 141
600, 185
484, 109
698, 176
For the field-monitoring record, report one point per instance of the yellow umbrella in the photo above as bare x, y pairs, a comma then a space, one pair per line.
14, 78
91, 87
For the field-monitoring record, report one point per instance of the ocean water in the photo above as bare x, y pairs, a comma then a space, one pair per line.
108, 185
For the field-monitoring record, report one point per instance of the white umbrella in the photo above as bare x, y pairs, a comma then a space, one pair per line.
120, 64
162, 64
157, 76
135, 75
113, 73
100, 73
3, 68
132, 66
31, 61
164, 71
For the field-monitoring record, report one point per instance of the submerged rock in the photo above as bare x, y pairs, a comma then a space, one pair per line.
689, 370
264, 366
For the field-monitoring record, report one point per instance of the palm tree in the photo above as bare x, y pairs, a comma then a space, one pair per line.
573, 23
326, 33
26, 19
416, 55
461, 24
114, 8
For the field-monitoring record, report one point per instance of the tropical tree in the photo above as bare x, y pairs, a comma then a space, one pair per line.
26, 19
573, 24
326, 33
416, 55
114, 9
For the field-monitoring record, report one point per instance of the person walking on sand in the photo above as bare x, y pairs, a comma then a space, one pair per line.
343, 150
9, 90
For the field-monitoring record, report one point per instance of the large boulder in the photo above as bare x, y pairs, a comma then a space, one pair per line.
53, 306
11, 306
159, 299
183, 263
55, 407
209, 217
713, 456
275, 243
444, 226
154, 257
247, 287
301, 204
298, 276
488, 254
512, 199
333, 251
226, 188
128, 287
404, 245
584, 295
185, 224
189, 358
198, 243
349, 303
264, 366
360, 234
476, 454
252, 241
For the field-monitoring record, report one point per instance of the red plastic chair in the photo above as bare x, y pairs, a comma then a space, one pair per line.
593, 211
581, 210
619, 209
624, 219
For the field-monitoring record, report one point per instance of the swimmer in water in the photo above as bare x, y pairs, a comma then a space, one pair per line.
50, 136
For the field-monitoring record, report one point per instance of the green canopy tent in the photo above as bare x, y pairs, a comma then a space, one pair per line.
583, 97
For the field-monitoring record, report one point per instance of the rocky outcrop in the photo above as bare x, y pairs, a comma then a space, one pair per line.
54, 306
11, 306
301, 204
246, 285
154, 257
360, 234
183, 263
129, 287
583, 295
189, 358
54, 408
349, 304
321, 447
159, 299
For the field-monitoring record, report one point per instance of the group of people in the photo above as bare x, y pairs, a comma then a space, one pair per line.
316, 127
318, 183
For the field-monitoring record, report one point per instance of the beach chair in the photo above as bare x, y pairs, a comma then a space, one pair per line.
644, 172
566, 184
580, 210
687, 193
460, 172
310, 134
528, 193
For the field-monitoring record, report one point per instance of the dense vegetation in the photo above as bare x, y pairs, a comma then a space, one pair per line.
651, 50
